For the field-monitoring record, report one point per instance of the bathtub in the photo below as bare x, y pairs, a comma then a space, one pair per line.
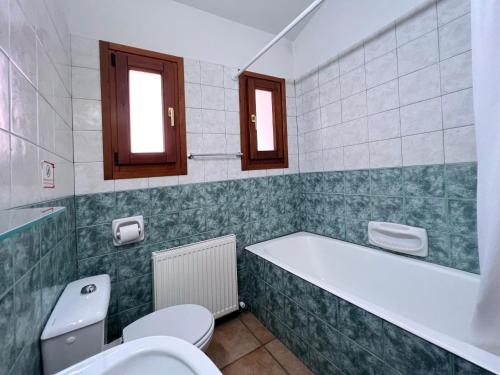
432, 302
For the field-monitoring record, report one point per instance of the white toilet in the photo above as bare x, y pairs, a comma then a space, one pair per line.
76, 329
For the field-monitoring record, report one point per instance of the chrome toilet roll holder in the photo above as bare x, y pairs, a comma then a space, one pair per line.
119, 224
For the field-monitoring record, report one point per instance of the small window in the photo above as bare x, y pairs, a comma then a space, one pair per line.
144, 133
263, 122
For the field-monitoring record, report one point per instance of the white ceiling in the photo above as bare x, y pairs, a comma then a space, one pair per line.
267, 15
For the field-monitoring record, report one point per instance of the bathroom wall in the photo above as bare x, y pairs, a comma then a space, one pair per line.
35, 101
35, 125
386, 132
36, 264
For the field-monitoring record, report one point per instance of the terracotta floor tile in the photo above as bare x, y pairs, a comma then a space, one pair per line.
256, 327
232, 340
259, 362
287, 359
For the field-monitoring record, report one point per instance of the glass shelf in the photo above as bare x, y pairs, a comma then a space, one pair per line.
13, 221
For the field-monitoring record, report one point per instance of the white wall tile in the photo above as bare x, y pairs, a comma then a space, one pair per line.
4, 25
456, 73
214, 143
416, 25
354, 132
331, 114
423, 149
231, 100
352, 59
88, 146
195, 143
354, 107
329, 92
381, 69
212, 74
418, 53
231, 83
194, 123
154, 182
87, 114
386, 153
422, 117
291, 106
357, 157
420, 85
212, 97
308, 83
63, 139
233, 144
383, 97
458, 109
22, 42
291, 123
46, 122
216, 170
460, 145
213, 121
25, 172
89, 179
293, 165
310, 100
380, 44
455, 37
86, 83
193, 95
328, 72
352, 82
192, 71
5, 167
131, 184
448, 10
289, 88
4, 92
333, 159
232, 123
384, 125
310, 121
293, 147
84, 52
24, 106
234, 171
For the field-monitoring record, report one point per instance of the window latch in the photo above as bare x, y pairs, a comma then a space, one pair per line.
171, 114
253, 119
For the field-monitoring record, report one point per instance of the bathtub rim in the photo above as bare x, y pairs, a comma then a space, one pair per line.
471, 353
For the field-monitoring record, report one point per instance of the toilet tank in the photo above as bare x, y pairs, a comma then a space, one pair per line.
76, 328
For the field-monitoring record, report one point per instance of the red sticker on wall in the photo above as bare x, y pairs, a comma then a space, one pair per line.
48, 179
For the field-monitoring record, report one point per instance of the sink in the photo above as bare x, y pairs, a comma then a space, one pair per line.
150, 355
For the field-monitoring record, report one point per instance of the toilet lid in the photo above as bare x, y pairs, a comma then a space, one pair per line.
187, 322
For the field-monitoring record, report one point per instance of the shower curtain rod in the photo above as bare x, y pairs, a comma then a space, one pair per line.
283, 32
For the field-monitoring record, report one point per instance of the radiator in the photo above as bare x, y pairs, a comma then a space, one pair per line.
202, 273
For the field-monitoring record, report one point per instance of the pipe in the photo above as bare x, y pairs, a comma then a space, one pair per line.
283, 32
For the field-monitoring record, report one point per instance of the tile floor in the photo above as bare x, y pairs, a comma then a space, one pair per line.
243, 346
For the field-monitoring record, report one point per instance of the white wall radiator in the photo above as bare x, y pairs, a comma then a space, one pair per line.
202, 273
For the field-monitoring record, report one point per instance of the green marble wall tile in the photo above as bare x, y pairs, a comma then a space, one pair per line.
132, 203
95, 209
462, 215
424, 181
357, 182
390, 209
461, 180
386, 181
427, 213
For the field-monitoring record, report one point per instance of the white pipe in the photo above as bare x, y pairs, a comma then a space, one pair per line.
283, 32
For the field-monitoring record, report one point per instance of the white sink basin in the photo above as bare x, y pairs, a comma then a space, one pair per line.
150, 355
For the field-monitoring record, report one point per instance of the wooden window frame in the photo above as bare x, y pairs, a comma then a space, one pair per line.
253, 159
119, 162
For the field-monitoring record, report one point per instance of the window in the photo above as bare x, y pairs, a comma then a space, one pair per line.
144, 132
263, 122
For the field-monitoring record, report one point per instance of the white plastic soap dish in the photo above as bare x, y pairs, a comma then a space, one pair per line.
397, 237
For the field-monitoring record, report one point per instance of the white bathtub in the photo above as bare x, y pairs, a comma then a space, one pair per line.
433, 302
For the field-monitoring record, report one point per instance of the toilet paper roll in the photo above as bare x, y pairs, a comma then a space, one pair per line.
129, 233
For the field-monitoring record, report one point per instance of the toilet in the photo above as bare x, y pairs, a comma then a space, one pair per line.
76, 329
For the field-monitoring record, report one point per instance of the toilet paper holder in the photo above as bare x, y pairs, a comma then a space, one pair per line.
132, 225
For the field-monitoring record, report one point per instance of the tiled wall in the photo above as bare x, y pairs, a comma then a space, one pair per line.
333, 336
402, 98
254, 209
35, 266
440, 198
35, 101
212, 121
386, 132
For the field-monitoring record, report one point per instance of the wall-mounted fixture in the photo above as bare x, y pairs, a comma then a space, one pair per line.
128, 230
397, 237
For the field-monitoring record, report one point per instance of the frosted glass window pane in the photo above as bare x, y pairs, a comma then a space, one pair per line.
146, 112
265, 128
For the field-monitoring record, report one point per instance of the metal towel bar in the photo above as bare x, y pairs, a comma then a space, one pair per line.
236, 155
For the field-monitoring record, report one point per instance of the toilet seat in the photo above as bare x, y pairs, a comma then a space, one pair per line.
191, 323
